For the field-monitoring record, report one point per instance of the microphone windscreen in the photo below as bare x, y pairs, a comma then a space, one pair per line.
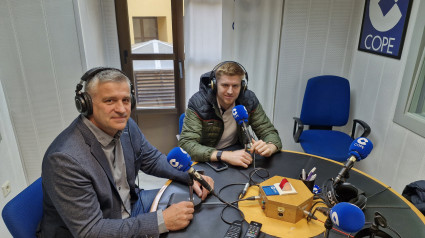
348, 217
179, 159
360, 148
240, 114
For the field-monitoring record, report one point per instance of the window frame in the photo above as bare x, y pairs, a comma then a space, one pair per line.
412, 121
127, 58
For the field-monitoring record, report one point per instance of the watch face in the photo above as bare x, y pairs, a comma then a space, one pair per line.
219, 155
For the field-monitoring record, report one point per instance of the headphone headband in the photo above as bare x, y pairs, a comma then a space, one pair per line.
91, 73
225, 62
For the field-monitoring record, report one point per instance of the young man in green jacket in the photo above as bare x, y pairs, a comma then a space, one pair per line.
210, 127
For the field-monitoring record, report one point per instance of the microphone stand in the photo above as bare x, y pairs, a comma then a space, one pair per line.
328, 226
191, 187
374, 231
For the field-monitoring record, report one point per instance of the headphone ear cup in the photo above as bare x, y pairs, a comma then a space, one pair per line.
80, 104
133, 97
346, 192
83, 104
213, 85
244, 85
133, 102
89, 105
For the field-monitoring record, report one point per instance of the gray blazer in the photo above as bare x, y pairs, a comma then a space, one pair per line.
79, 194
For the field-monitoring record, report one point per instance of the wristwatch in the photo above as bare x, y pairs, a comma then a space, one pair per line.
219, 155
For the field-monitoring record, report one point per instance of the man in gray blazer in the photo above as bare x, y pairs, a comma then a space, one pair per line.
89, 170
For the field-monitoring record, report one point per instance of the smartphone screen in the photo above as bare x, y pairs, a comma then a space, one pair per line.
217, 166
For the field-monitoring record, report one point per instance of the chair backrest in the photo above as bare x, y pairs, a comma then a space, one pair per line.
23, 213
326, 101
181, 119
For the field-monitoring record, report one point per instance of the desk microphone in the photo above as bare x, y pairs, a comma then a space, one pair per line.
180, 160
240, 114
359, 149
345, 216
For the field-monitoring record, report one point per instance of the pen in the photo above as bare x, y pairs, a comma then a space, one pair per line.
313, 177
303, 174
311, 173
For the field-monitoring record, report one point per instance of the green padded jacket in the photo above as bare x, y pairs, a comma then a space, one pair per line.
203, 124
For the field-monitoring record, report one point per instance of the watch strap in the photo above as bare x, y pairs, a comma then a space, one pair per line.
219, 155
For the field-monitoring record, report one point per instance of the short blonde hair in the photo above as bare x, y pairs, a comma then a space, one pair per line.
229, 69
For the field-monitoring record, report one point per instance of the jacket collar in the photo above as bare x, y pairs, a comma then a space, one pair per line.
95, 148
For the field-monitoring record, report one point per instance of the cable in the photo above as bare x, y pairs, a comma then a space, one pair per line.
391, 229
228, 205
228, 185
337, 230
251, 182
385, 189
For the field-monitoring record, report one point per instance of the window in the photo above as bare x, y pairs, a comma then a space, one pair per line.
145, 29
147, 33
410, 110
417, 104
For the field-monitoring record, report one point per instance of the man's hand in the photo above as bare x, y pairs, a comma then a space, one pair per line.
178, 216
262, 148
203, 193
237, 158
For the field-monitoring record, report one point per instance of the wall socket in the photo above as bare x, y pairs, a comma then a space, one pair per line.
5, 188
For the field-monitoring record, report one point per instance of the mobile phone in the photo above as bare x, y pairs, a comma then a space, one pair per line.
217, 165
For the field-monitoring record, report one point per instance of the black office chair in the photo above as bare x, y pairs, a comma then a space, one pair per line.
326, 104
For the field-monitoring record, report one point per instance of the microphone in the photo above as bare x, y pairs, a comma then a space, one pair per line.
240, 114
359, 149
346, 216
180, 160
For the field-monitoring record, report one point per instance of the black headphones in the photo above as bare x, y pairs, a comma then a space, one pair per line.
344, 192
83, 101
213, 80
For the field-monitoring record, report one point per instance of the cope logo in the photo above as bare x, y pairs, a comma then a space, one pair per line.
362, 141
174, 163
380, 21
384, 26
334, 217
234, 112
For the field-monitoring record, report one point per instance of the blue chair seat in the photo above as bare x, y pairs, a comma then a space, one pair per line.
23, 213
329, 144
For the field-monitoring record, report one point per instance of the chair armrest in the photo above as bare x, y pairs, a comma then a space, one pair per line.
298, 129
366, 128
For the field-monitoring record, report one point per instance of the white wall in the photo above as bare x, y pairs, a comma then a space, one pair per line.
97, 32
398, 157
11, 167
203, 40
321, 37
316, 39
251, 32
45, 48
40, 66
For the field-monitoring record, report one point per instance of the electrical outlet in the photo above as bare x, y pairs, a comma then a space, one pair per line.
5, 188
